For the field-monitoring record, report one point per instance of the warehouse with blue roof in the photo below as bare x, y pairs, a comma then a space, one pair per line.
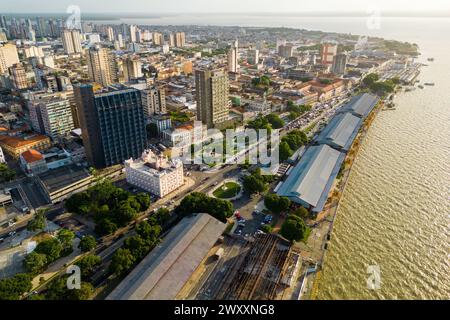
361, 105
340, 132
311, 180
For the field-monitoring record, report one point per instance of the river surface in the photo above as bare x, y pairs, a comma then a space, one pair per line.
395, 211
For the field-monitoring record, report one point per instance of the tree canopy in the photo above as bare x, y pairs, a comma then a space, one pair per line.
200, 203
275, 121
121, 262
38, 222
6, 174
13, 288
109, 206
276, 204
293, 228
87, 243
370, 79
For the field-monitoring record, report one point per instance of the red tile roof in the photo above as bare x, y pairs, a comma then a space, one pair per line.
32, 155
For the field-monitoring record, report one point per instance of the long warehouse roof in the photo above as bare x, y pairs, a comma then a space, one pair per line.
311, 180
361, 105
165, 270
341, 131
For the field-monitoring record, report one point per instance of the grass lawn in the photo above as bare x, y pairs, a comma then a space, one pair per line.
228, 190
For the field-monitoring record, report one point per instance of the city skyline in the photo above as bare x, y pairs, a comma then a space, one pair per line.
233, 6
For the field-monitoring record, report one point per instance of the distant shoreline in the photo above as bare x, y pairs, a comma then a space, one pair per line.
310, 14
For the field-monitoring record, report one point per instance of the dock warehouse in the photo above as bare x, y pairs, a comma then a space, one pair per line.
165, 270
312, 178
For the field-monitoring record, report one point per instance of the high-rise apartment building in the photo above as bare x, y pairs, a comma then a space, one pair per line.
233, 55
154, 100
172, 42
180, 39
132, 68
157, 38
112, 124
286, 51
132, 32
19, 76
110, 33
52, 116
212, 90
327, 53
71, 41
3, 36
339, 64
253, 56
101, 66
8, 57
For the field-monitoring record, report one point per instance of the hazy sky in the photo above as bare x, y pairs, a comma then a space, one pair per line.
202, 6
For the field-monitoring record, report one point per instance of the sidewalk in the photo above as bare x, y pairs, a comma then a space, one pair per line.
58, 266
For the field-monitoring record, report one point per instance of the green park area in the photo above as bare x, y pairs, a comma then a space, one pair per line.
227, 190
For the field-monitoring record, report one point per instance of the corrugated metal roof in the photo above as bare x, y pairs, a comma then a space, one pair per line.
311, 179
163, 273
341, 131
361, 105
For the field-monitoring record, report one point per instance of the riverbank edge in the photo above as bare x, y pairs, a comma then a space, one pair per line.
359, 140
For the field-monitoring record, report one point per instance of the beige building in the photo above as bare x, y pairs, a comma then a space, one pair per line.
157, 38
132, 68
154, 100
101, 66
212, 89
180, 39
8, 57
15, 146
153, 174
71, 41
19, 76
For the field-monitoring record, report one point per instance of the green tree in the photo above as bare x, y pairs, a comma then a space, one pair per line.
35, 262
57, 290
200, 203
137, 246
144, 201
254, 184
285, 151
105, 227
301, 212
6, 174
52, 248
276, 204
293, 229
13, 288
125, 213
121, 262
66, 237
88, 264
162, 216
148, 232
275, 121
370, 79
78, 203
38, 222
84, 293
87, 243
267, 228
